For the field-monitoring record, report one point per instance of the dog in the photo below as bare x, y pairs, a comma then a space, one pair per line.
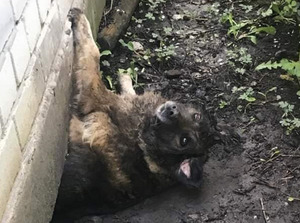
124, 147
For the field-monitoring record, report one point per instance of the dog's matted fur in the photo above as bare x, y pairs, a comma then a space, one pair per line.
124, 147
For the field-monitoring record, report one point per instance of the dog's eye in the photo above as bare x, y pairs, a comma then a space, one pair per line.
184, 141
197, 116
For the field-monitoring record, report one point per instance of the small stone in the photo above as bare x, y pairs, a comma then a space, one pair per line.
200, 93
173, 73
259, 116
177, 17
137, 46
245, 119
193, 216
196, 75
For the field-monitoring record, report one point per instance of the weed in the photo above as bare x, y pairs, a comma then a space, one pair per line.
286, 107
291, 199
282, 10
141, 55
222, 104
154, 4
110, 82
150, 16
245, 28
267, 92
133, 73
292, 67
165, 52
139, 21
168, 31
129, 45
239, 57
288, 119
215, 8
248, 95
247, 8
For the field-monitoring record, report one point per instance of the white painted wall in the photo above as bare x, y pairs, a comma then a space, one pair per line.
31, 32
36, 53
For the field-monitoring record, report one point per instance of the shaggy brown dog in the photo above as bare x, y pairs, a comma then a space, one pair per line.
124, 147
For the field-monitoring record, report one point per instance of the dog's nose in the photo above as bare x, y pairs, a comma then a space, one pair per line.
171, 109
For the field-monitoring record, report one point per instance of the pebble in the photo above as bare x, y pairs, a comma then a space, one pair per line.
137, 46
259, 116
173, 73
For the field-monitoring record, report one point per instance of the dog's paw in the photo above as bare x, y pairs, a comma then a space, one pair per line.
74, 16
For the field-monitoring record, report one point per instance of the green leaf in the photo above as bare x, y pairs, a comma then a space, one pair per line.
269, 65
122, 42
129, 45
267, 29
122, 71
109, 80
293, 3
105, 53
296, 122
105, 63
267, 13
253, 39
293, 67
272, 89
251, 99
290, 199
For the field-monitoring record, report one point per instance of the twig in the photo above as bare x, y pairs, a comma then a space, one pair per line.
264, 183
111, 5
294, 156
267, 219
290, 172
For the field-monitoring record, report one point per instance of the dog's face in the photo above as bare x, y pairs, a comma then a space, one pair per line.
177, 138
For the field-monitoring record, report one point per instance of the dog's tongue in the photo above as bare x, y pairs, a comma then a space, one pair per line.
185, 168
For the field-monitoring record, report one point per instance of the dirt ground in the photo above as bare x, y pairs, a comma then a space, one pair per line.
250, 182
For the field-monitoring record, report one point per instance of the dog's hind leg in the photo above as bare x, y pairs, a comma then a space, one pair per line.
126, 84
92, 93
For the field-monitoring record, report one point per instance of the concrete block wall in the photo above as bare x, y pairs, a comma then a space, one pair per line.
36, 55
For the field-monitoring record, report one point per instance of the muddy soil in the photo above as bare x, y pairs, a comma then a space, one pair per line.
250, 182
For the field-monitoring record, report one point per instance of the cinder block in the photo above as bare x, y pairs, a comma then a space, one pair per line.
1, 126
78, 4
6, 22
8, 87
20, 52
49, 40
94, 11
32, 23
18, 7
44, 7
28, 103
63, 8
10, 159
34, 193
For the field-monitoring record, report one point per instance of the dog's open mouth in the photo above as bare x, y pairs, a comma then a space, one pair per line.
190, 172
185, 168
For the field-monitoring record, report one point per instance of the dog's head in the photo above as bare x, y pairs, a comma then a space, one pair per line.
177, 138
